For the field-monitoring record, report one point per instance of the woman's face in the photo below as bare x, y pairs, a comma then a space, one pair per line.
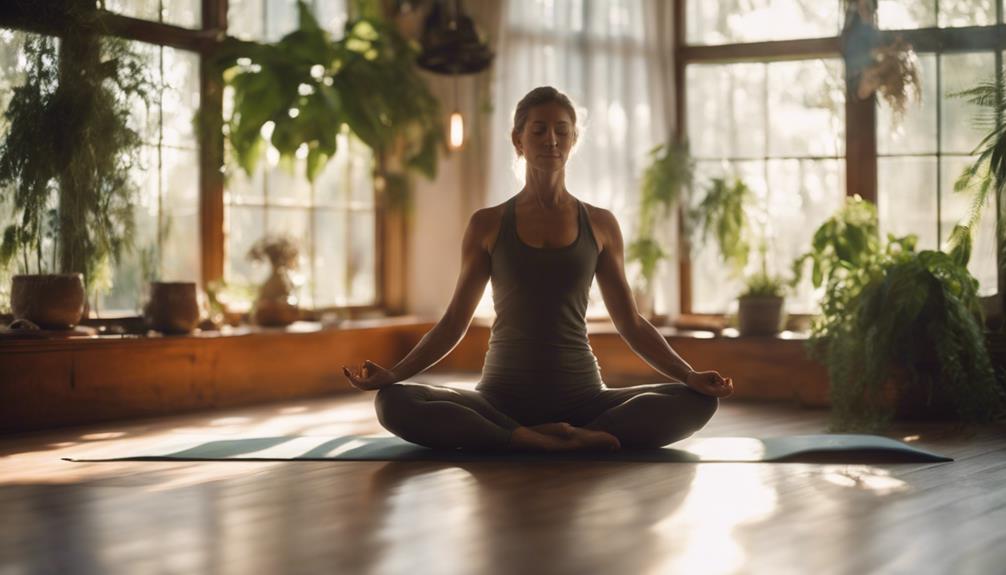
547, 138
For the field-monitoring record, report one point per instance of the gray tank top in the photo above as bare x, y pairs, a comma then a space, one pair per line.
540, 297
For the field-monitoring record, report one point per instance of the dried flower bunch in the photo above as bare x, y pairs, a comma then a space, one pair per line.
280, 250
894, 73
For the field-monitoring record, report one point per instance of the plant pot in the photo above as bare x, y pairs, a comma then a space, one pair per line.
173, 307
51, 301
276, 305
760, 315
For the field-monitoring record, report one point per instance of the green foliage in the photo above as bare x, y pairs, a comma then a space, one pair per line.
764, 285
845, 241
668, 174
889, 310
307, 86
68, 151
721, 214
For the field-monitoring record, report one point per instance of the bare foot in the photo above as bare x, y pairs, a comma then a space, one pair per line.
561, 429
577, 439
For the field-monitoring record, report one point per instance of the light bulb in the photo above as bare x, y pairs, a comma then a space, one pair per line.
457, 136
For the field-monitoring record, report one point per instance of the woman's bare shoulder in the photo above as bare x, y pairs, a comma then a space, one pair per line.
485, 224
603, 223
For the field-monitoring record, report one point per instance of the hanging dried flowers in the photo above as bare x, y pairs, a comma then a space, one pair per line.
894, 74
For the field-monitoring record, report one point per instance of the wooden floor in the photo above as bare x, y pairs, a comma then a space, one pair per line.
442, 518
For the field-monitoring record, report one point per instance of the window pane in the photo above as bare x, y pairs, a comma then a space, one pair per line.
916, 132
270, 20
245, 225
906, 14
185, 13
906, 198
242, 189
180, 204
960, 130
330, 287
806, 108
180, 97
130, 276
730, 21
361, 262
802, 194
726, 110
288, 186
954, 208
144, 9
954, 13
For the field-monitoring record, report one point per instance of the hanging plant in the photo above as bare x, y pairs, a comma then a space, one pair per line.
296, 95
66, 158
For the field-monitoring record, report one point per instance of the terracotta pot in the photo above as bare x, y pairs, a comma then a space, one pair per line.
51, 301
173, 307
760, 315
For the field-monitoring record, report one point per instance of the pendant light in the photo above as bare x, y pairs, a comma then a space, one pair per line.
452, 45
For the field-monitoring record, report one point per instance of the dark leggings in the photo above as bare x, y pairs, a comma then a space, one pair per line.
643, 416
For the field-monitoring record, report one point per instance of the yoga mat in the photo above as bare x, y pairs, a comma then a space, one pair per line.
794, 448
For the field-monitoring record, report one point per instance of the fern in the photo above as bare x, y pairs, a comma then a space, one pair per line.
895, 311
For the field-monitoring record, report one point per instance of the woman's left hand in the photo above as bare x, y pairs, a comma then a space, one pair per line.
710, 383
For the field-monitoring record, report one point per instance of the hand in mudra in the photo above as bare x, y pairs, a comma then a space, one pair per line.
710, 383
369, 376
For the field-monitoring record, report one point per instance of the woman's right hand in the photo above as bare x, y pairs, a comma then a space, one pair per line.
369, 376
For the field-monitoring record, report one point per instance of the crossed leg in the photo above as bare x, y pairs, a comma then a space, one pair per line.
447, 418
648, 416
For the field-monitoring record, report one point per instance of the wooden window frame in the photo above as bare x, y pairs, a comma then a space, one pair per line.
860, 115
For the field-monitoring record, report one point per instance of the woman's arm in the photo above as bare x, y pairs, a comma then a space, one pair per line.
638, 333
445, 335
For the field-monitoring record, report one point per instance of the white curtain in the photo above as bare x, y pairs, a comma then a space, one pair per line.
614, 59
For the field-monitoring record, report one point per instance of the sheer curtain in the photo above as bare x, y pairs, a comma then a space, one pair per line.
613, 58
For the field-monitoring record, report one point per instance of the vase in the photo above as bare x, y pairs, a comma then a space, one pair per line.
276, 305
173, 307
50, 301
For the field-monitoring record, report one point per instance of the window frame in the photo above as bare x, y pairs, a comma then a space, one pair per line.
860, 115
204, 41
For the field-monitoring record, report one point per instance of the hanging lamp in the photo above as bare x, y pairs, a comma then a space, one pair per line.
452, 45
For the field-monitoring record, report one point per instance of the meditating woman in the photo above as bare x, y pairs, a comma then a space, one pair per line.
540, 387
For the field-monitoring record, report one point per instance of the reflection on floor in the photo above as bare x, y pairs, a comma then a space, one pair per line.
561, 517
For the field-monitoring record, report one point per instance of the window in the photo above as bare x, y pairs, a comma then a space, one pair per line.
166, 245
334, 218
779, 126
780, 123
920, 158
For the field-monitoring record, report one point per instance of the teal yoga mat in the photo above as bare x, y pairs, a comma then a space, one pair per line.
794, 448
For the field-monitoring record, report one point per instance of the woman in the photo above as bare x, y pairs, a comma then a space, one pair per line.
540, 387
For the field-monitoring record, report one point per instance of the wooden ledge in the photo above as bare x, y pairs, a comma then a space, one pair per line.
53, 383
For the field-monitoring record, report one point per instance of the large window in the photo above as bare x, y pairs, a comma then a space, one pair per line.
920, 158
780, 127
774, 114
333, 218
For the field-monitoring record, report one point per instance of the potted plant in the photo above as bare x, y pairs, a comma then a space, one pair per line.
900, 331
723, 214
666, 179
64, 167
